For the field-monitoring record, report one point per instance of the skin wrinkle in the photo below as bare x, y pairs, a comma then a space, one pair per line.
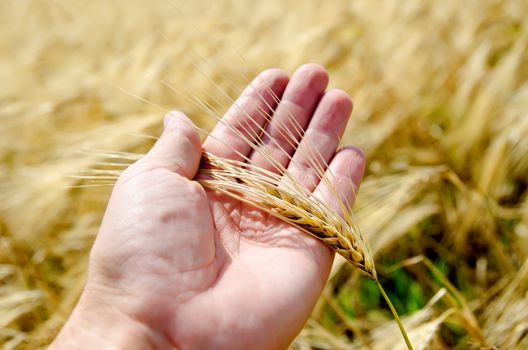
142, 170
228, 325
305, 164
227, 220
285, 130
277, 143
136, 317
334, 103
250, 105
141, 324
117, 279
316, 79
218, 269
270, 150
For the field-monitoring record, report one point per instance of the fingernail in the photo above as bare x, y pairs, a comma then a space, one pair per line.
359, 153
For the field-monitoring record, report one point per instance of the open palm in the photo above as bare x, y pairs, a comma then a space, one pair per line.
203, 270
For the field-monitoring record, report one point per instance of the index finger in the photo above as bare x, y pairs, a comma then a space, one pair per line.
240, 128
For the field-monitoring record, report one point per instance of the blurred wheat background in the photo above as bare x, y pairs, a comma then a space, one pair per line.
440, 91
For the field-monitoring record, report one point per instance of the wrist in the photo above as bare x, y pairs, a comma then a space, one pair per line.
95, 324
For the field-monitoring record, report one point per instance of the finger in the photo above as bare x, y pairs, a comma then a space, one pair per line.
341, 181
321, 139
290, 118
178, 148
243, 123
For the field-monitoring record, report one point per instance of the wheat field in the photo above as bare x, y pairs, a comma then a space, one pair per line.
440, 93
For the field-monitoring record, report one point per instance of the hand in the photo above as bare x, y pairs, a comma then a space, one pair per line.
177, 266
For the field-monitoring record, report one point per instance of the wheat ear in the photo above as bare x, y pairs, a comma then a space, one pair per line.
282, 197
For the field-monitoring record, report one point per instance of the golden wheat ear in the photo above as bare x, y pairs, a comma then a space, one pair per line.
282, 197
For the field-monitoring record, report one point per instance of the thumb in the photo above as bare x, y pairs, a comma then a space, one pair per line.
178, 149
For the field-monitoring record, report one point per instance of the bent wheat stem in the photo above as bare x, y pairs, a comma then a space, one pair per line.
395, 314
